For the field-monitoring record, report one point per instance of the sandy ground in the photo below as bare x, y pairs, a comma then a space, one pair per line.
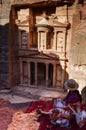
7, 110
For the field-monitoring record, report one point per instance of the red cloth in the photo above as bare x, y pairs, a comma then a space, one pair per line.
45, 120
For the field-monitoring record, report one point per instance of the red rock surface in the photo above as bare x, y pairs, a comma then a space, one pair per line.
6, 112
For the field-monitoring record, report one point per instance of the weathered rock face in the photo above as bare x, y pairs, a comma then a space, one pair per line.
77, 67
4, 41
76, 36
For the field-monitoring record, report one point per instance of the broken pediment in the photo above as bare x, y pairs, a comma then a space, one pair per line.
59, 24
23, 17
22, 23
54, 20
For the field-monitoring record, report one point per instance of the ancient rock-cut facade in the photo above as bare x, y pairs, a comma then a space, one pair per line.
40, 37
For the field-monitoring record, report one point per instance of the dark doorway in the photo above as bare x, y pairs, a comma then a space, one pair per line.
41, 74
50, 75
32, 69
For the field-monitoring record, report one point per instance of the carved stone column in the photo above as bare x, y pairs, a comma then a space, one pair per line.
54, 42
19, 38
63, 73
44, 44
39, 39
64, 39
21, 72
54, 75
58, 76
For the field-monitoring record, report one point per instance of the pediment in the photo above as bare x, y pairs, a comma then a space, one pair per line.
38, 55
41, 55
60, 24
44, 21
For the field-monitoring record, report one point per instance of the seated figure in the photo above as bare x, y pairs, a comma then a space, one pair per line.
74, 101
70, 106
63, 113
59, 115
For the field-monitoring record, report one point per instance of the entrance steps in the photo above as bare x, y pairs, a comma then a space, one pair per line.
33, 92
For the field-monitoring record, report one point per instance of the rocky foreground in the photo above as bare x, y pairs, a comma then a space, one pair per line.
24, 121
7, 110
